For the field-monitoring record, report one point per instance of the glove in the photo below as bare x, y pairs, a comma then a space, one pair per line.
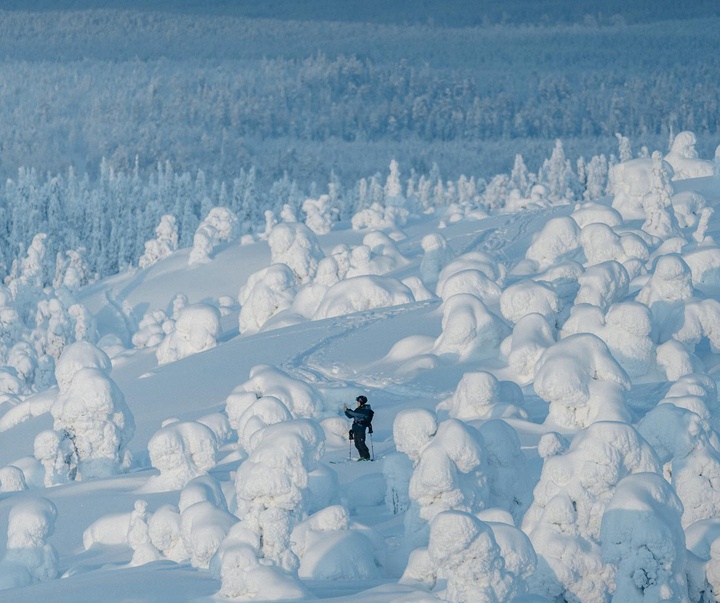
350, 435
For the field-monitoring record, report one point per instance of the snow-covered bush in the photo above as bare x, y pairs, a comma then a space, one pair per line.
470, 330
413, 430
437, 254
603, 284
152, 329
463, 552
320, 214
197, 329
91, 412
12, 479
264, 411
582, 382
659, 215
592, 213
684, 158
451, 473
296, 246
529, 297
362, 293
689, 208
331, 547
600, 243
480, 395
244, 578
77, 356
203, 526
181, 451
272, 486
632, 181
473, 260
509, 477
165, 533
643, 541
138, 536
266, 293
531, 336
29, 558
377, 217
164, 243
300, 398
219, 225
470, 281
564, 519
558, 239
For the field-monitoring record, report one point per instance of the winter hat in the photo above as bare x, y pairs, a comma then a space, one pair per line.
361, 399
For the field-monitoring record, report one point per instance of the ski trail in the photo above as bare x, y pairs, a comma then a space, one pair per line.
312, 364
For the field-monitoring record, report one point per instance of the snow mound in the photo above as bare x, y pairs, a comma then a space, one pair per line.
266, 293
362, 293
197, 329
181, 451
296, 246
480, 395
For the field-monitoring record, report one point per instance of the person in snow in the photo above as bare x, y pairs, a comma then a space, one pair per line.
362, 419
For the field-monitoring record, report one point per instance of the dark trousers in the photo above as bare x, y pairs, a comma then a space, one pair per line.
359, 439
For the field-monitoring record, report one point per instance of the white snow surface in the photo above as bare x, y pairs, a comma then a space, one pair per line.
544, 385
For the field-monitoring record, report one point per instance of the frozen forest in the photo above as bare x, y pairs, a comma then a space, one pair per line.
225, 222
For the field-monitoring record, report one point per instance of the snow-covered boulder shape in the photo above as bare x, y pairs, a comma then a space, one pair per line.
689, 208
558, 239
704, 264
627, 333
436, 255
529, 297
181, 451
470, 330
203, 526
509, 478
12, 479
266, 410
413, 430
362, 293
165, 533
220, 225
470, 281
320, 214
531, 336
671, 281
603, 284
299, 397
643, 540
77, 356
296, 246
464, 552
684, 158
596, 213
601, 243
659, 215
152, 329
564, 519
197, 329
272, 485
473, 260
331, 547
29, 558
91, 411
244, 578
451, 473
385, 254
480, 395
582, 382
266, 293
633, 181
164, 243
138, 536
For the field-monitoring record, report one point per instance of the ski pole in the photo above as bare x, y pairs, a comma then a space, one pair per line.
372, 446
349, 449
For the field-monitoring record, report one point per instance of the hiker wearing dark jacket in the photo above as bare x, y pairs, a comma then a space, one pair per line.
362, 419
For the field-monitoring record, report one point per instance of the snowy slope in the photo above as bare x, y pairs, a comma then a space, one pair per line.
416, 357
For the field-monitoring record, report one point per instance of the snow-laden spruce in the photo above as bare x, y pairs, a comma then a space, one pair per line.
197, 329
92, 423
29, 558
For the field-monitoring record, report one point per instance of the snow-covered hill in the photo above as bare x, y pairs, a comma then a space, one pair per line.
543, 381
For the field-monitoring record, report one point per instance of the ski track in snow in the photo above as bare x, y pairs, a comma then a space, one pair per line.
314, 364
